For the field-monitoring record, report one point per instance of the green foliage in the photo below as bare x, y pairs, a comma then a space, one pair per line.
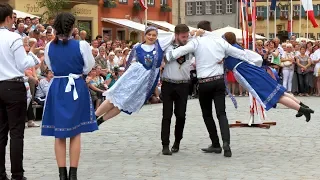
165, 8
53, 7
84, 25
109, 3
136, 6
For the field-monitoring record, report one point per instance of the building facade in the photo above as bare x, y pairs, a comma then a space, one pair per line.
280, 26
178, 12
116, 16
86, 12
220, 13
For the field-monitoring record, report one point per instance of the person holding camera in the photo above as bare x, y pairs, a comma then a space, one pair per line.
112, 77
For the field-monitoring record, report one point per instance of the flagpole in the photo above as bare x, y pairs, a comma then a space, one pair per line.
291, 18
146, 13
307, 20
300, 20
268, 25
275, 22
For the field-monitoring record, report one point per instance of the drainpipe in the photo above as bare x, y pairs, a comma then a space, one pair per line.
179, 15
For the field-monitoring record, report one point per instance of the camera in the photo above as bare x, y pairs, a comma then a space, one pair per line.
116, 70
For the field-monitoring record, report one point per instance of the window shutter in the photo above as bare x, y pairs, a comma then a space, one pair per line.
193, 8
213, 7
244, 13
203, 9
186, 8
265, 9
224, 6
278, 12
315, 10
234, 6
303, 12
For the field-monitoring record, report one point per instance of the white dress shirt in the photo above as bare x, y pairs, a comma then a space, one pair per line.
174, 71
13, 57
209, 50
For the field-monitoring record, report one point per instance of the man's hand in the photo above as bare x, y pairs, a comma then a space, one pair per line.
193, 32
200, 32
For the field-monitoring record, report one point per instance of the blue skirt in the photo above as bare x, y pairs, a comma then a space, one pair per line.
255, 79
65, 117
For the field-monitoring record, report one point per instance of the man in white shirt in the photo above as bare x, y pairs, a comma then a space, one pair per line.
13, 102
209, 50
175, 90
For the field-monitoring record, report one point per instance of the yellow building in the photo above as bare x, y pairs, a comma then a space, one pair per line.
86, 12
282, 25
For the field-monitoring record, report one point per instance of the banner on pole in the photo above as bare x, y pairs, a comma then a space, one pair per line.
143, 5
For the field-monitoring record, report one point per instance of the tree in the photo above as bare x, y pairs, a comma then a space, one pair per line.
53, 7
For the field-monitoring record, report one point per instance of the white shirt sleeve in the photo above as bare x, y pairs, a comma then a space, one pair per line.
166, 41
190, 47
232, 51
46, 56
87, 56
21, 58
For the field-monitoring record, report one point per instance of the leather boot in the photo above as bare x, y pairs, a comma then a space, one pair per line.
166, 150
306, 112
175, 147
301, 114
63, 174
73, 173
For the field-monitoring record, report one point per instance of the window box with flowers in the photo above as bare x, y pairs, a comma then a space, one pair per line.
260, 18
136, 7
109, 3
283, 18
165, 8
295, 17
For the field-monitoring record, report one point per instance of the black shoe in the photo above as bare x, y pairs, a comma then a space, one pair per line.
175, 147
99, 120
63, 174
4, 177
212, 149
73, 173
301, 114
306, 112
24, 178
227, 150
166, 150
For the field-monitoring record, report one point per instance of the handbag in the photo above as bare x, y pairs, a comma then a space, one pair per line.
276, 60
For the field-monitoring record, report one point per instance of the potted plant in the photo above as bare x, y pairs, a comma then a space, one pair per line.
283, 18
109, 3
296, 17
165, 8
260, 18
136, 7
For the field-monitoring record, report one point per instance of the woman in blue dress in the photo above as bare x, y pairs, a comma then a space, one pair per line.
260, 84
139, 81
68, 110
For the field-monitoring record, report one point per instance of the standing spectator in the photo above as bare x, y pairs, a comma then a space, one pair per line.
303, 63
43, 88
83, 35
106, 37
112, 62
288, 67
20, 30
99, 39
316, 61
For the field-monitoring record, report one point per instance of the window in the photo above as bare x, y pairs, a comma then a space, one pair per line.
198, 8
260, 11
229, 6
310, 35
123, 1
189, 8
284, 11
318, 12
163, 2
151, 2
318, 36
296, 10
208, 7
218, 7
271, 35
87, 26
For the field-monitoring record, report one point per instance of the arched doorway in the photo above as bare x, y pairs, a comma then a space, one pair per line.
134, 36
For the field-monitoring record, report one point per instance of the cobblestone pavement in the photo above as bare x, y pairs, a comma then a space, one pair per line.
129, 147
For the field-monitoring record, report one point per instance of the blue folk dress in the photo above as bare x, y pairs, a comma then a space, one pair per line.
138, 83
256, 80
68, 107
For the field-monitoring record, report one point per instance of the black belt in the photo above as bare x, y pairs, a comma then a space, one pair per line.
16, 79
210, 79
175, 81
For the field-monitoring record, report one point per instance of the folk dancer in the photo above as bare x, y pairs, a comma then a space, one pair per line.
68, 109
139, 81
263, 87
13, 95
209, 50
175, 90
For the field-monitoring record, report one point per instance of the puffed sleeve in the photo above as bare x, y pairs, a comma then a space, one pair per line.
87, 57
46, 56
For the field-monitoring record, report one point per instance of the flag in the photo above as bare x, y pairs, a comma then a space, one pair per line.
143, 5
308, 7
273, 5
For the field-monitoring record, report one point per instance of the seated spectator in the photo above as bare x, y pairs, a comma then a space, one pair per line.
112, 62
112, 77
43, 88
96, 87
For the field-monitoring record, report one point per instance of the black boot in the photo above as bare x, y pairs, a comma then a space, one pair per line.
175, 147
63, 174
73, 173
227, 150
301, 114
166, 150
306, 112
212, 149
99, 120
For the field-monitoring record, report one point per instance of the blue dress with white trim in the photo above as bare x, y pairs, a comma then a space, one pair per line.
256, 80
68, 108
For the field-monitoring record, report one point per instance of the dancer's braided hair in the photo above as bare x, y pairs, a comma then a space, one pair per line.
63, 26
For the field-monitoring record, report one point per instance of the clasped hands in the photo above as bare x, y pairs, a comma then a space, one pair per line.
197, 32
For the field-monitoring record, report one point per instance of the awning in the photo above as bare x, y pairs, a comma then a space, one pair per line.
165, 25
21, 14
128, 24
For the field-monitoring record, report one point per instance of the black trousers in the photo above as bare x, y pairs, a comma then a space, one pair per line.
303, 83
215, 91
177, 95
13, 105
